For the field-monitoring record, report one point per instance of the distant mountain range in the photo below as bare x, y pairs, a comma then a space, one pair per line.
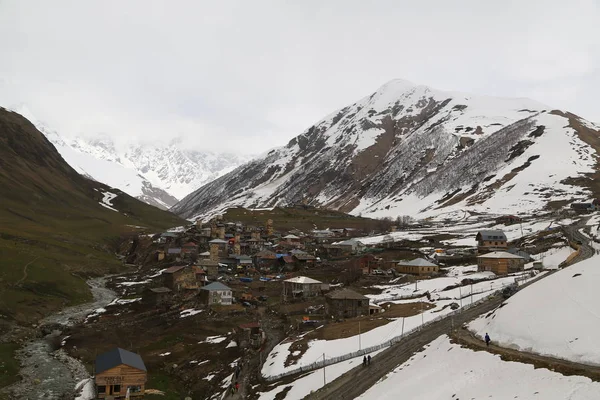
157, 174
409, 149
57, 226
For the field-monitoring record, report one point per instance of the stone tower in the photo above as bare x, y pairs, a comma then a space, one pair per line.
269, 227
214, 252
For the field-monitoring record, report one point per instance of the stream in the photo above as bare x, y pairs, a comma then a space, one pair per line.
49, 373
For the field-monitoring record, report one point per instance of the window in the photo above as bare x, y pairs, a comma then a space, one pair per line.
116, 388
135, 389
496, 243
102, 389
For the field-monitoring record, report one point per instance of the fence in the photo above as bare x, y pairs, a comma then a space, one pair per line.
334, 360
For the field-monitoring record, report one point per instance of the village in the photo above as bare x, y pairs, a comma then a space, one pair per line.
209, 302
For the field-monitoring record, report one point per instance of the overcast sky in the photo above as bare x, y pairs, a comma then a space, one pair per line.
247, 76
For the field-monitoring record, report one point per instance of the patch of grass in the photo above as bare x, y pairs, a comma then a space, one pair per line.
161, 382
287, 218
9, 367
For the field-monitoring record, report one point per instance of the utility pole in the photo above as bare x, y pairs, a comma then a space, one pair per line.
324, 369
471, 292
359, 344
402, 326
460, 296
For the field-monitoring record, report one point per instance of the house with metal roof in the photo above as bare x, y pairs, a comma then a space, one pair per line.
500, 262
491, 240
216, 293
418, 266
301, 286
118, 372
346, 303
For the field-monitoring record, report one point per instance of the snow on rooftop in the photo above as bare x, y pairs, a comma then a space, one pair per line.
500, 254
302, 280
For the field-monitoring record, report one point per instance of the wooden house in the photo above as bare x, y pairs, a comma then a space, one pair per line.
500, 262
120, 373
301, 286
304, 259
418, 266
179, 278
491, 240
216, 294
346, 303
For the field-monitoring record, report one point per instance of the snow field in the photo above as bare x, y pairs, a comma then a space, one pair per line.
447, 371
557, 316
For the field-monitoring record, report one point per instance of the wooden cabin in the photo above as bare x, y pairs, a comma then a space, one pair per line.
500, 262
119, 371
346, 303
491, 240
418, 266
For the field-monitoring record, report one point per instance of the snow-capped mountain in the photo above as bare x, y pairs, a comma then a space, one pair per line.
156, 174
411, 149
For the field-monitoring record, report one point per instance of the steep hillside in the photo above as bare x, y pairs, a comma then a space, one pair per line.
157, 173
556, 317
56, 226
409, 149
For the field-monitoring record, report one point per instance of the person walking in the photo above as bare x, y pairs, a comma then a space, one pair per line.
237, 387
369, 359
364, 361
487, 340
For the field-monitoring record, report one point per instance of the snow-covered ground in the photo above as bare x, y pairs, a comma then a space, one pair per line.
557, 316
275, 363
436, 287
85, 390
553, 257
107, 199
445, 371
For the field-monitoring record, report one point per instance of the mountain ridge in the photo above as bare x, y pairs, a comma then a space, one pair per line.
156, 174
410, 144
58, 223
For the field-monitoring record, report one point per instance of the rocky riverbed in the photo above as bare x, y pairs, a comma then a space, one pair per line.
47, 371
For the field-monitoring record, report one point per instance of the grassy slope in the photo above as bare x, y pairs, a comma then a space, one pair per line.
288, 218
51, 221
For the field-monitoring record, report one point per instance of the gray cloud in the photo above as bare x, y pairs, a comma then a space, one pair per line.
246, 76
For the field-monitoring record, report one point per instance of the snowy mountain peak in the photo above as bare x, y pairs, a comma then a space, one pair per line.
156, 174
411, 149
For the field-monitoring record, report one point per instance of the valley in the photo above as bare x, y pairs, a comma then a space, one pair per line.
276, 280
